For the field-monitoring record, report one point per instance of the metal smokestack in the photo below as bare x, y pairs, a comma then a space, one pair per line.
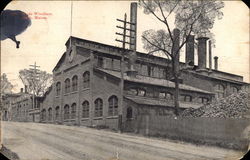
216, 63
190, 50
210, 54
202, 52
133, 25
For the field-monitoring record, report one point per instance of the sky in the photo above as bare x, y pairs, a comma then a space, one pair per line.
44, 41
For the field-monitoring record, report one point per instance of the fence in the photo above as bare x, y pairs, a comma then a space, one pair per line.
229, 133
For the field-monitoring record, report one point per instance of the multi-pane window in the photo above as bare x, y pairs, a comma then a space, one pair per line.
86, 79
58, 88
50, 114
203, 100
169, 96
74, 83
141, 92
66, 112
113, 106
85, 109
162, 94
220, 91
73, 111
67, 85
186, 98
98, 107
57, 112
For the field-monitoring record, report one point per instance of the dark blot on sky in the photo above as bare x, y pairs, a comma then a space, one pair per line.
13, 23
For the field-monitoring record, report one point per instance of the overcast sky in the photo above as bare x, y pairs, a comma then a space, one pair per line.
44, 41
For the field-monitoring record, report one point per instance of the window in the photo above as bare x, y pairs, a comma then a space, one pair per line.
162, 94
99, 61
57, 112
234, 90
113, 106
141, 92
203, 100
74, 83
85, 109
50, 114
67, 85
86, 79
43, 115
98, 107
169, 96
220, 91
73, 111
132, 91
186, 98
66, 112
58, 88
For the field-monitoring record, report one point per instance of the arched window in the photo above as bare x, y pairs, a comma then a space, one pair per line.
66, 112
98, 107
129, 113
50, 114
113, 106
57, 112
73, 111
234, 89
203, 100
220, 91
58, 88
43, 115
74, 83
85, 109
67, 85
86, 79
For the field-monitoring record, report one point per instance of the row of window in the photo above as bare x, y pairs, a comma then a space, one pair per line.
69, 112
220, 90
74, 85
164, 95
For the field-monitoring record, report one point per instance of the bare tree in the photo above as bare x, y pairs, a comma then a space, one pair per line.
6, 86
190, 17
36, 82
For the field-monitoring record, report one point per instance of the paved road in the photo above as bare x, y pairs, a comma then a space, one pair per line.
35, 141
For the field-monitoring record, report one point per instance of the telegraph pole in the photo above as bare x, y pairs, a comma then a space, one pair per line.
124, 42
34, 72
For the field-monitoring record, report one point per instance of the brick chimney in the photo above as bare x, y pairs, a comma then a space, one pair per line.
21, 90
216, 63
25, 89
133, 26
202, 53
190, 50
210, 54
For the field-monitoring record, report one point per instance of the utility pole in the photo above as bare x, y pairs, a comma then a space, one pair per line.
124, 42
34, 72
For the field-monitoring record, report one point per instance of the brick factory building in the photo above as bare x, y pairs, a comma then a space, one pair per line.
87, 85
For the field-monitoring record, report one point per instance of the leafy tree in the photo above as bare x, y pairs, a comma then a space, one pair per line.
36, 83
6, 86
190, 18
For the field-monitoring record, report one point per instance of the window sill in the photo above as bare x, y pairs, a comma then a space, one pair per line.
84, 119
70, 93
84, 89
69, 120
97, 118
112, 117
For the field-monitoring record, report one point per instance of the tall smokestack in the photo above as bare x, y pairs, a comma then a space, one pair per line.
176, 38
25, 89
190, 50
210, 54
202, 52
216, 63
21, 90
133, 25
